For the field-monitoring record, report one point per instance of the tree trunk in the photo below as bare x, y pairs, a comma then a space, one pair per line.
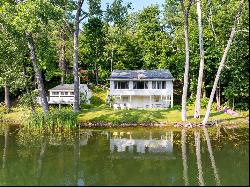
200, 78
7, 97
222, 63
38, 75
218, 99
184, 156
75, 67
62, 61
185, 84
111, 61
96, 67
28, 91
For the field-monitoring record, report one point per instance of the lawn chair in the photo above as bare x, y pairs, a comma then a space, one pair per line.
128, 106
122, 106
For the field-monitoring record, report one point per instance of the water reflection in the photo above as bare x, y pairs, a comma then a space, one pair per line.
118, 157
184, 156
152, 144
198, 157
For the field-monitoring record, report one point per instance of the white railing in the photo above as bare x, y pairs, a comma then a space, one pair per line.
144, 92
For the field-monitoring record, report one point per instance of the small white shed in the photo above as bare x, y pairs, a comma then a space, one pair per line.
64, 94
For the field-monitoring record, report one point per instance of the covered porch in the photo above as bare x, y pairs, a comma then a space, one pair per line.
142, 102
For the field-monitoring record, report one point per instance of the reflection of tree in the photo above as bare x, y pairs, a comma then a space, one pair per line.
76, 157
6, 133
41, 158
198, 157
216, 175
184, 156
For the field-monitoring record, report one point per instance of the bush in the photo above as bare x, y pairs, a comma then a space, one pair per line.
56, 118
190, 101
242, 106
95, 100
177, 107
204, 102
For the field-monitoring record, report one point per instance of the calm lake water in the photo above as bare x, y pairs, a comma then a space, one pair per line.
131, 156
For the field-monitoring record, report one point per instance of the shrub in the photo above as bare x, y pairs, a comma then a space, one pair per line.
190, 101
95, 100
204, 102
177, 107
242, 106
55, 119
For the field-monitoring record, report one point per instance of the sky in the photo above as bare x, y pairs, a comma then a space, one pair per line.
136, 4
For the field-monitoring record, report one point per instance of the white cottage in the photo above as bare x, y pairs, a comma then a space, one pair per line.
64, 94
141, 88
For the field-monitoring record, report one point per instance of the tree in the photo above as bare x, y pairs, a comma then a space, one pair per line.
185, 84
202, 56
222, 63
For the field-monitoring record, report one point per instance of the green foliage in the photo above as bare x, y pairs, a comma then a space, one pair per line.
204, 102
27, 99
176, 107
190, 101
242, 106
64, 118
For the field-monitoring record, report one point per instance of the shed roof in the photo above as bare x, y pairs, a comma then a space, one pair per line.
141, 74
63, 87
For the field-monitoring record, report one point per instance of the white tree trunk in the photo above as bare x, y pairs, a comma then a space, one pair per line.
75, 66
200, 78
185, 82
237, 18
7, 96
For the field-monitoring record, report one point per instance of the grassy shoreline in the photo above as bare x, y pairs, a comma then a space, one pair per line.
115, 118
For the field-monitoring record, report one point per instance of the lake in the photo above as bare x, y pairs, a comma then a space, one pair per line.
125, 156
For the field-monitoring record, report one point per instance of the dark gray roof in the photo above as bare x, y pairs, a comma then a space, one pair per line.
141, 74
63, 87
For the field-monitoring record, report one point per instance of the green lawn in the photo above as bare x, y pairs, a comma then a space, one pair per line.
105, 114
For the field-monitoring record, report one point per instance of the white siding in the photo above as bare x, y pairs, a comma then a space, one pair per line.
140, 98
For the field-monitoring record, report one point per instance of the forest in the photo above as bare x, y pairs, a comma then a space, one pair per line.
203, 43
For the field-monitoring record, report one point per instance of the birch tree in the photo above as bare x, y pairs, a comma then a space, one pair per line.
222, 63
75, 57
185, 84
200, 78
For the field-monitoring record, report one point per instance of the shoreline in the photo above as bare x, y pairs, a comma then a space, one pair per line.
188, 124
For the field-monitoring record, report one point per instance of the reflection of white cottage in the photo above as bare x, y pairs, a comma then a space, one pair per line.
165, 144
64, 94
142, 88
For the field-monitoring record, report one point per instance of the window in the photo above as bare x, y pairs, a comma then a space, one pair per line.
158, 84
140, 85
55, 93
65, 93
71, 93
121, 84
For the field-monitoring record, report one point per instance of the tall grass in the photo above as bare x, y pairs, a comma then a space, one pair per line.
56, 119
